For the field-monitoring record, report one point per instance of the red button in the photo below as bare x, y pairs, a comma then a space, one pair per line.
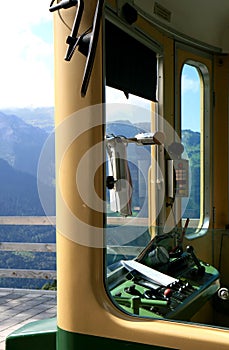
167, 292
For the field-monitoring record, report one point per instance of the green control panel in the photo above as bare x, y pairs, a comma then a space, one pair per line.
176, 289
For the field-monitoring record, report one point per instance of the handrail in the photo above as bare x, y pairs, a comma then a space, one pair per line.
28, 247
23, 273
51, 220
46, 247
28, 220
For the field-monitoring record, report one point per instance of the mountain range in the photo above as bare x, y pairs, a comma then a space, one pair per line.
42, 117
21, 142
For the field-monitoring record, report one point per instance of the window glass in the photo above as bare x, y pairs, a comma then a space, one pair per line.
191, 124
127, 201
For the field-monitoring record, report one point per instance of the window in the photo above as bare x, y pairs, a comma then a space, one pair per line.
195, 138
191, 117
131, 86
127, 206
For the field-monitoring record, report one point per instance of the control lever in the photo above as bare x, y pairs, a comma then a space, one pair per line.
201, 268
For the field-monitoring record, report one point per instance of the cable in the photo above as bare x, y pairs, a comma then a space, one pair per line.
62, 20
58, 10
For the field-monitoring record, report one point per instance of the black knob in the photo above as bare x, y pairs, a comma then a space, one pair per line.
133, 291
189, 249
110, 182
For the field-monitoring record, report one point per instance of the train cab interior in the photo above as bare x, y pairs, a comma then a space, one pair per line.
166, 143
142, 163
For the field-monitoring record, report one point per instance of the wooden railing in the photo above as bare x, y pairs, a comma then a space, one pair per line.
27, 247
47, 247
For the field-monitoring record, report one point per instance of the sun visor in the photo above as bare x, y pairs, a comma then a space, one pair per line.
130, 65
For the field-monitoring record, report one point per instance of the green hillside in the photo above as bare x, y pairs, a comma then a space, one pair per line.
191, 142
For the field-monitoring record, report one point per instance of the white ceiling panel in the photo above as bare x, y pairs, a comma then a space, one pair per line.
206, 21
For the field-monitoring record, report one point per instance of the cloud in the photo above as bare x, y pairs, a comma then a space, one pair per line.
134, 108
190, 84
26, 61
19, 14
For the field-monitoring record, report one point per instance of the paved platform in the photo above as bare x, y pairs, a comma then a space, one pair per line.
21, 306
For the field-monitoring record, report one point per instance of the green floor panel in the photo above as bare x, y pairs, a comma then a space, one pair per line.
69, 341
33, 336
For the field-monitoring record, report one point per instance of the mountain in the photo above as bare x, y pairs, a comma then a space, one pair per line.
18, 192
20, 149
191, 142
42, 117
20, 143
125, 128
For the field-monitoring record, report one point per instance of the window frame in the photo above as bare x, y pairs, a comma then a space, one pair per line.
203, 63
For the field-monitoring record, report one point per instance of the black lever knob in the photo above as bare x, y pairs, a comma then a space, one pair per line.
201, 268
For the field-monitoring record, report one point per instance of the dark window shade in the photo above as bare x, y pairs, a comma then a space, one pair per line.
130, 65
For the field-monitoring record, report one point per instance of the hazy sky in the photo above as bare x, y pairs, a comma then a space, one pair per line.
190, 98
26, 62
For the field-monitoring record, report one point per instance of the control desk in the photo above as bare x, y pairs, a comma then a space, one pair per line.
162, 285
